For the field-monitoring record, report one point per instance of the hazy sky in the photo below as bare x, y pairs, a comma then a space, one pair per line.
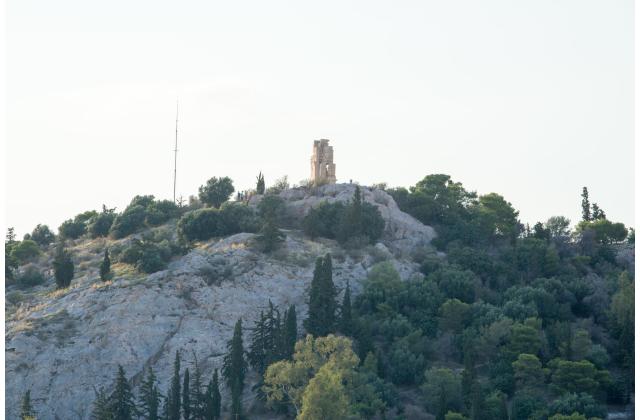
530, 99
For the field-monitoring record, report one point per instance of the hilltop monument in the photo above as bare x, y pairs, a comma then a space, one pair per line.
323, 170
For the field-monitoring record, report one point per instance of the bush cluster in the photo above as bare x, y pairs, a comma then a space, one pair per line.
148, 256
143, 211
207, 223
354, 225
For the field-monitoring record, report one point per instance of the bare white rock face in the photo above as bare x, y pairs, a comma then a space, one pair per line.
63, 345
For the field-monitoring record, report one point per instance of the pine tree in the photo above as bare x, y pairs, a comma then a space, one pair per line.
596, 212
173, 396
260, 184
234, 369
197, 396
346, 321
290, 332
26, 409
101, 409
121, 401
105, 267
186, 396
329, 296
213, 400
586, 208
63, 267
149, 401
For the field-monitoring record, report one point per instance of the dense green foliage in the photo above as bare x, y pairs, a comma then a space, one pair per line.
105, 266
100, 225
260, 186
143, 211
322, 299
63, 267
234, 369
216, 191
353, 224
511, 321
207, 223
24, 251
42, 235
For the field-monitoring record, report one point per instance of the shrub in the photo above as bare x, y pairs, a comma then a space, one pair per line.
280, 184
148, 256
72, 229
42, 235
354, 225
76, 227
158, 212
204, 224
24, 251
101, 223
199, 224
30, 277
129, 221
63, 267
216, 191
235, 218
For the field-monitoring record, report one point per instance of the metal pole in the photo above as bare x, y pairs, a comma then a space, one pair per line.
175, 156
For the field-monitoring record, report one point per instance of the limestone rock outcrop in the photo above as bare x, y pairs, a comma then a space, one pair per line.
62, 344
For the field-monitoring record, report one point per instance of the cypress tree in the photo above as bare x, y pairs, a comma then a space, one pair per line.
290, 332
105, 267
213, 399
149, 401
258, 348
173, 396
186, 396
586, 207
329, 294
322, 300
26, 409
260, 184
346, 321
101, 409
314, 318
197, 395
234, 369
122, 404
63, 267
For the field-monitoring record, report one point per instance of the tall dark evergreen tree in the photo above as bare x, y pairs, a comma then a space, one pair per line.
346, 320
258, 348
122, 404
234, 369
290, 332
322, 300
63, 267
149, 400
260, 184
26, 409
213, 400
105, 266
586, 207
197, 393
186, 396
173, 395
101, 409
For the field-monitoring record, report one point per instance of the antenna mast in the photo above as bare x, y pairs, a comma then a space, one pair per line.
175, 156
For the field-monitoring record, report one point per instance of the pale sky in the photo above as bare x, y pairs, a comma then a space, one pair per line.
529, 99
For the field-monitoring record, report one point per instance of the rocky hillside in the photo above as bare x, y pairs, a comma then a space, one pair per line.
61, 344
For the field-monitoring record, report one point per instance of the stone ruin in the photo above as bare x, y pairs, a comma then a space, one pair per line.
323, 170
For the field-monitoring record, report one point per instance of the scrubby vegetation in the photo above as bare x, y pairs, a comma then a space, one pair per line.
509, 322
354, 225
